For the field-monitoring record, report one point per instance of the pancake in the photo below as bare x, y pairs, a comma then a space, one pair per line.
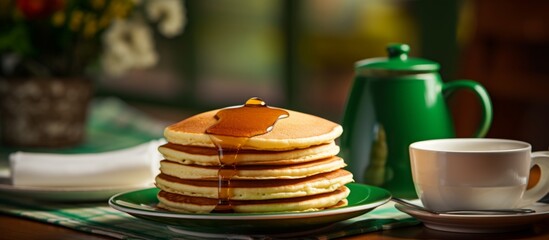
257, 189
209, 156
299, 130
186, 204
271, 160
293, 171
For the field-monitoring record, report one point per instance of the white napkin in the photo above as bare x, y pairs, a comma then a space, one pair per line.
127, 167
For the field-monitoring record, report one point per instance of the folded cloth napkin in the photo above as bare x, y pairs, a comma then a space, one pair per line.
126, 167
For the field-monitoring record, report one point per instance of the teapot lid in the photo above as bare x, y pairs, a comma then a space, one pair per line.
398, 60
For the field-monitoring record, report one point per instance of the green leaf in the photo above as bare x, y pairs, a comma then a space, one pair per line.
16, 39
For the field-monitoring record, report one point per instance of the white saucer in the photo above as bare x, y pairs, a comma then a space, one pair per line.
479, 223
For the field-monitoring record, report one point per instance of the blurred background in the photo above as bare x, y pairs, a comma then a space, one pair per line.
301, 54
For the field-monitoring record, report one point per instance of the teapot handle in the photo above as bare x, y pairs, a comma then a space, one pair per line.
449, 87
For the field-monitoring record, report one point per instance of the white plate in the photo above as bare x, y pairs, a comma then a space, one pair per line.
479, 223
65, 194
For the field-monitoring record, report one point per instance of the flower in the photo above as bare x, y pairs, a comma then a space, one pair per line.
169, 12
39, 9
128, 44
67, 37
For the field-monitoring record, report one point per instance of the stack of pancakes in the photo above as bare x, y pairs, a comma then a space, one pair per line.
294, 167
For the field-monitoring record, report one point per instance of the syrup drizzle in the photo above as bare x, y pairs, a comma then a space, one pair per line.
231, 132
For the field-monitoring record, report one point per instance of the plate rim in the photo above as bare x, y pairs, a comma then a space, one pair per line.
242, 216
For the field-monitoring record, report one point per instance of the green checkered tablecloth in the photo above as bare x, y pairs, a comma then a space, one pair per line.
92, 218
103, 220
123, 127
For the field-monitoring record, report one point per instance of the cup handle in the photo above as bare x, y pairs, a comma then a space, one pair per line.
538, 181
483, 96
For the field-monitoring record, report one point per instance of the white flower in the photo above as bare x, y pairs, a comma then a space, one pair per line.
169, 14
128, 44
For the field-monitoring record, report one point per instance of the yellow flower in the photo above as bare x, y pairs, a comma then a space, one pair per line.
90, 28
76, 20
120, 9
58, 18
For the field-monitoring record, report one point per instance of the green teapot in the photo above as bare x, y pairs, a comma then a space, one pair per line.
394, 102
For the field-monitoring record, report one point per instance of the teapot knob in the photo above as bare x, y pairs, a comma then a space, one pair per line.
398, 50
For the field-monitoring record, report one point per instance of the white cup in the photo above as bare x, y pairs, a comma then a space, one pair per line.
478, 173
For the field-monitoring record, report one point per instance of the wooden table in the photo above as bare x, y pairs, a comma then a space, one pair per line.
20, 228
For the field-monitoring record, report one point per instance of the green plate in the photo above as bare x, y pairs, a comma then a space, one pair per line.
142, 204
